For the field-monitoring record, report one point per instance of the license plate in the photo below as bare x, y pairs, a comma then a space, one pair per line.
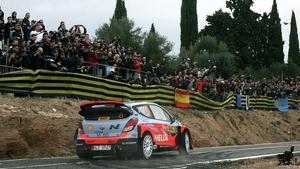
104, 118
101, 147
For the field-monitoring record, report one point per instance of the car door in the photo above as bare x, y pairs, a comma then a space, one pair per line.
167, 131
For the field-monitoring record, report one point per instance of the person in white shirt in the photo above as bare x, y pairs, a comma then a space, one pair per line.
38, 32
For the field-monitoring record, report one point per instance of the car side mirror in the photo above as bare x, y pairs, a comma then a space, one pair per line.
174, 118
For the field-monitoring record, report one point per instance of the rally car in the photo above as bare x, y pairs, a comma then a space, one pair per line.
127, 129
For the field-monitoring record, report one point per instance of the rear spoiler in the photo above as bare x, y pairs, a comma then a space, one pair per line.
91, 103
86, 107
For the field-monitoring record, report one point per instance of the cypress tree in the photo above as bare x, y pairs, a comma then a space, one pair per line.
275, 36
120, 10
189, 23
124, 10
152, 30
294, 55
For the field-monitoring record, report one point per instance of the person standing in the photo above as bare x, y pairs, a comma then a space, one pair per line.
26, 26
1, 27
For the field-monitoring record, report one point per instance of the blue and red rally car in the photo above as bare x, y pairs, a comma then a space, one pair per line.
125, 129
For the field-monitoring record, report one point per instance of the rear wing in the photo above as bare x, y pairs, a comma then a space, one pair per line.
94, 107
91, 103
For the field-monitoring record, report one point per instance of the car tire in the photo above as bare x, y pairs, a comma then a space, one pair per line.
185, 145
146, 146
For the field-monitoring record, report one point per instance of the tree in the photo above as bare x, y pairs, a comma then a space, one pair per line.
275, 36
208, 51
188, 23
152, 30
245, 31
156, 47
294, 55
220, 26
124, 30
120, 10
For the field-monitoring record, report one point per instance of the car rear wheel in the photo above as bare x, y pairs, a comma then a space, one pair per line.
185, 145
146, 146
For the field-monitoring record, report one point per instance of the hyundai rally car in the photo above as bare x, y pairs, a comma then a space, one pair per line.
126, 129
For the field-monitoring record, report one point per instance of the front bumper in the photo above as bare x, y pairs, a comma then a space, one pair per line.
125, 145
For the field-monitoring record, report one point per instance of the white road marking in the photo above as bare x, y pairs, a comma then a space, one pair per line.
224, 160
81, 162
239, 149
35, 166
47, 158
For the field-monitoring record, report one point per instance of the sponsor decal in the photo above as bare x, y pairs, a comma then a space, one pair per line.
161, 137
172, 129
101, 128
90, 127
169, 129
114, 127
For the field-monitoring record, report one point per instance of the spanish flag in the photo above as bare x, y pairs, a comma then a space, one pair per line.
182, 98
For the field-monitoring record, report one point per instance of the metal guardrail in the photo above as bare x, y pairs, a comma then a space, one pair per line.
7, 69
101, 70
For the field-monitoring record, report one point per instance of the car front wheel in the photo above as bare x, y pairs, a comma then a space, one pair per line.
185, 145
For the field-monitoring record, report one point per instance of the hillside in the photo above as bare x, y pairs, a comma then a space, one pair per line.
43, 127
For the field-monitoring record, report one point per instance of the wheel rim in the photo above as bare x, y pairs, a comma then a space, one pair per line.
147, 146
187, 142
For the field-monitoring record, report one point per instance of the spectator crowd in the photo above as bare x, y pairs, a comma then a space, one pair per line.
27, 44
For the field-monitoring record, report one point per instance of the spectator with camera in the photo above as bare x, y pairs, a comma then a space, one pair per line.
37, 59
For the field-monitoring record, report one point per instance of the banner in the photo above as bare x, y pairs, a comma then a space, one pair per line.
108, 70
282, 104
238, 101
247, 103
182, 98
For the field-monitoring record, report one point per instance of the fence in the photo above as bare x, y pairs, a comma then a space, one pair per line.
54, 83
7, 69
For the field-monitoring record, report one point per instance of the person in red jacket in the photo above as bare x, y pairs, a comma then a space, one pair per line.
92, 60
200, 84
137, 67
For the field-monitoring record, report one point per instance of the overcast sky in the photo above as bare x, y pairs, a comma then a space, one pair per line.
164, 13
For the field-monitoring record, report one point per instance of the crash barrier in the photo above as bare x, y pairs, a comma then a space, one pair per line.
54, 83
264, 102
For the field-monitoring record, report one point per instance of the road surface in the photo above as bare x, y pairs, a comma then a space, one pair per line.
199, 158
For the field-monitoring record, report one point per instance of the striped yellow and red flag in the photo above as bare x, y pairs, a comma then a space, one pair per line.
182, 98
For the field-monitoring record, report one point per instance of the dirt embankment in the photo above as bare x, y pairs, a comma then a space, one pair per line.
42, 127
37, 127
231, 127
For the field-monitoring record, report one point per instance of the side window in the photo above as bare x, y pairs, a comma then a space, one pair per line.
144, 110
159, 113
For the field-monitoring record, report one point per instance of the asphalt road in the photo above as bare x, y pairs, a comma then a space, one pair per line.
199, 158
